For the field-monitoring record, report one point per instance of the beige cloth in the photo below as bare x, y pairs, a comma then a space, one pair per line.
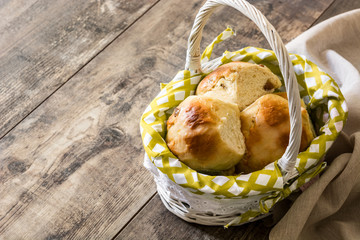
330, 208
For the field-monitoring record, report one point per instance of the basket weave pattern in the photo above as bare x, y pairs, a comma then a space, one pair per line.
220, 200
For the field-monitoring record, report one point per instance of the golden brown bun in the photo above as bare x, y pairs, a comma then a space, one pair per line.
240, 83
266, 128
205, 134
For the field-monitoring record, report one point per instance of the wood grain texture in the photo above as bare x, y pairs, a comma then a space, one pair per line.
73, 167
43, 43
338, 7
289, 19
159, 223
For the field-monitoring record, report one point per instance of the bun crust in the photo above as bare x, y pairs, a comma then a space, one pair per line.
266, 128
208, 133
205, 134
240, 83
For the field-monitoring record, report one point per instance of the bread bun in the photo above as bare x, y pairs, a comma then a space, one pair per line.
266, 128
205, 134
240, 83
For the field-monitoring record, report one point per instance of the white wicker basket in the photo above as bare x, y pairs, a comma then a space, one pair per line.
203, 209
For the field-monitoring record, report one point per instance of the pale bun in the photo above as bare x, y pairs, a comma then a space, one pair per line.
240, 83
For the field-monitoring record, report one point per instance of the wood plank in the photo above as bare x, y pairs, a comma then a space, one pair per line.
43, 43
289, 19
158, 223
338, 7
72, 168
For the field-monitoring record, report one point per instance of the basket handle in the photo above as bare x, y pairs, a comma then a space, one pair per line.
288, 160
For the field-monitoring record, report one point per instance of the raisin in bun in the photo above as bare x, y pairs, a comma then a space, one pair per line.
266, 128
240, 83
205, 134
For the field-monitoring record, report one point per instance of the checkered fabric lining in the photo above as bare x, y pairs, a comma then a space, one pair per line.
319, 91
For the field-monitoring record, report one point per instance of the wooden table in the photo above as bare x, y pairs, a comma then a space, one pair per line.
75, 77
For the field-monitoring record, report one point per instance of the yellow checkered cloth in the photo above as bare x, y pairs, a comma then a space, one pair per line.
325, 104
